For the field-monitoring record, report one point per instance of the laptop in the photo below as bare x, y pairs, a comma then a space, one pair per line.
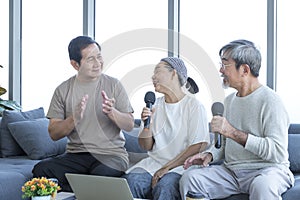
92, 187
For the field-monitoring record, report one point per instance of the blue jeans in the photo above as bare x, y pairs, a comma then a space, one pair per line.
167, 188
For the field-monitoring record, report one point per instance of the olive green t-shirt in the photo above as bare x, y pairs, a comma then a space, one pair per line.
95, 133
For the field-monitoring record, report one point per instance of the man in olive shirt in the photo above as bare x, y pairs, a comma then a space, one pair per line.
89, 108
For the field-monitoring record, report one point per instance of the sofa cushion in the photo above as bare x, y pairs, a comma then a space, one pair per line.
293, 148
14, 172
9, 147
294, 153
294, 192
135, 152
33, 137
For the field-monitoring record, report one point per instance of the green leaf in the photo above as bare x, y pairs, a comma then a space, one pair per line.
9, 105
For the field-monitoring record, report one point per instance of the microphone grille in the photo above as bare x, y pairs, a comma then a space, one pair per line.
149, 97
217, 109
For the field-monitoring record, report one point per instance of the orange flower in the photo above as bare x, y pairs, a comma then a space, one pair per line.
32, 187
39, 187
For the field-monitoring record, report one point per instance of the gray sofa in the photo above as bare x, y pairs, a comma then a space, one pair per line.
14, 172
136, 153
24, 141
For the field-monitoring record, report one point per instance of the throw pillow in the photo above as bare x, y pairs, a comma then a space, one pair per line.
9, 147
294, 153
33, 137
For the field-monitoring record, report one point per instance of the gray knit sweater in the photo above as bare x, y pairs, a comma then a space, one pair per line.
262, 115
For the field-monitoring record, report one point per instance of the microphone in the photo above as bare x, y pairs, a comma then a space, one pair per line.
149, 100
217, 109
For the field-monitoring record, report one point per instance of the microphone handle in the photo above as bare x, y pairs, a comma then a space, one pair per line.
147, 121
218, 141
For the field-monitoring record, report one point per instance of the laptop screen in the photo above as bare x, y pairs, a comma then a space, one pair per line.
93, 187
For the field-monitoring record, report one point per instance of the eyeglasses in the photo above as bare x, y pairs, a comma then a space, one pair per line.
222, 65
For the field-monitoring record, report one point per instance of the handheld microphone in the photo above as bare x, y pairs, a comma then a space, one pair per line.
217, 109
149, 100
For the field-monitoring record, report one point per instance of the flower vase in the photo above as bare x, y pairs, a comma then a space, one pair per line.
41, 197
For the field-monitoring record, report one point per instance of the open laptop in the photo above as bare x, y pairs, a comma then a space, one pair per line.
92, 187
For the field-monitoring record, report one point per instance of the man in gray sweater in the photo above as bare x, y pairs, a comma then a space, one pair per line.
254, 133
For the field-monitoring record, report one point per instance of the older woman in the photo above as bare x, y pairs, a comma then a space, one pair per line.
178, 129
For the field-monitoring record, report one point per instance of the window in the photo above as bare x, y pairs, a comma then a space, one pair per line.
133, 40
4, 41
208, 25
288, 69
47, 31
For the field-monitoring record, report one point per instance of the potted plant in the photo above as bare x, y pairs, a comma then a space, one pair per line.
40, 189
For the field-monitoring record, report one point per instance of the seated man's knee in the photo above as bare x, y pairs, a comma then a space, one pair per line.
186, 178
39, 169
261, 185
